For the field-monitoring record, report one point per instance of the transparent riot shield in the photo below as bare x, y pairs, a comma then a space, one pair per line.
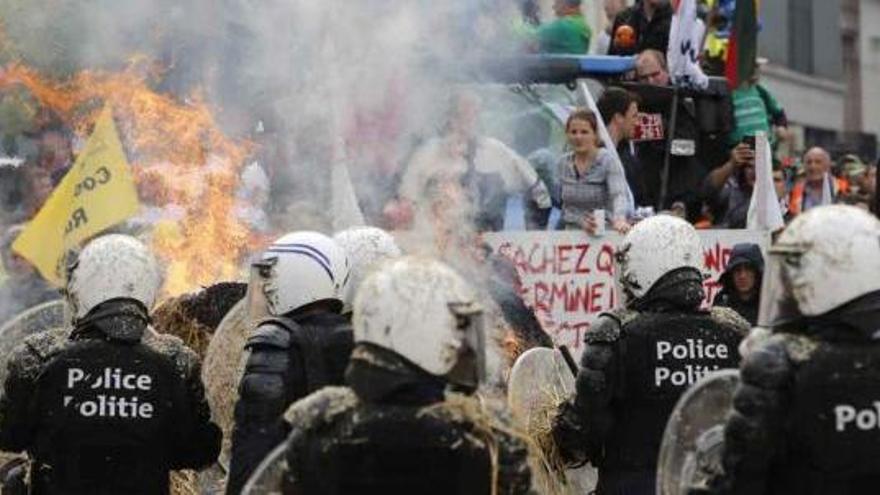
266, 479
45, 316
693, 440
540, 380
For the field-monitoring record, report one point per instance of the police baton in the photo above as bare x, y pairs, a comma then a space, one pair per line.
569, 360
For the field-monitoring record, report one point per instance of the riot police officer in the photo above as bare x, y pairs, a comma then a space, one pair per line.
365, 248
303, 345
806, 415
109, 406
398, 428
638, 360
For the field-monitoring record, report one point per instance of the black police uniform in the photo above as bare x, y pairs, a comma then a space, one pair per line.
394, 432
806, 416
111, 407
635, 366
289, 359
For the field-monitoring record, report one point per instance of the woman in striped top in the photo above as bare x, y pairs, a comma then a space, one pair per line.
588, 179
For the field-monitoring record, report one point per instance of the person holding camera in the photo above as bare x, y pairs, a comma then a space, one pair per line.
728, 189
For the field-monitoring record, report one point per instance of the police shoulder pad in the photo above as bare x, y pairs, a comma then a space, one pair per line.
269, 334
608, 327
44, 345
729, 318
321, 407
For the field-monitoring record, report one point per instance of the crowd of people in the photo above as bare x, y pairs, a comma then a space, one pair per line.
364, 368
365, 371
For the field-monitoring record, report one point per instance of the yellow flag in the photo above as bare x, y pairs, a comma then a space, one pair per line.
97, 192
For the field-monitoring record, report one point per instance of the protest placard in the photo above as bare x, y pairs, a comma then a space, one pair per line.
568, 277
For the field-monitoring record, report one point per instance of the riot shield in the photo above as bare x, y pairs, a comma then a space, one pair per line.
222, 370
45, 316
694, 435
266, 479
539, 381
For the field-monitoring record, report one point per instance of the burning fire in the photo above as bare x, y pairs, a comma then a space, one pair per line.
179, 156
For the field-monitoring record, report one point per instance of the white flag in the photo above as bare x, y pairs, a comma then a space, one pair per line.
346, 211
764, 210
827, 192
685, 46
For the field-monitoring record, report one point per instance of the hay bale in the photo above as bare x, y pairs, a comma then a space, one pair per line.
222, 369
194, 317
185, 483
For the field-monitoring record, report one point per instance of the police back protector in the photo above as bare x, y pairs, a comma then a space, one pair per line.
107, 419
322, 345
394, 449
662, 354
834, 422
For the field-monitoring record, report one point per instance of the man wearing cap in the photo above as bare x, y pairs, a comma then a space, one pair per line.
741, 282
861, 180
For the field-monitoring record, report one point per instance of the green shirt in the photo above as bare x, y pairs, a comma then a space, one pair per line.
752, 107
569, 34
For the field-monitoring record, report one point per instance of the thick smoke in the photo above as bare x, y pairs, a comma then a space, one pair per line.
316, 84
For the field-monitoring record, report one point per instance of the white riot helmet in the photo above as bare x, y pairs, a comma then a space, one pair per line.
654, 247
301, 268
826, 257
109, 267
365, 248
424, 311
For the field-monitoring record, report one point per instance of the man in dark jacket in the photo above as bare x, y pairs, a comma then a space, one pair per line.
641, 27
301, 347
741, 282
805, 415
109, 406
639, 360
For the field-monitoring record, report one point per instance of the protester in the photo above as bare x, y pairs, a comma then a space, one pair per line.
685, 170
109, 405
620, 112
301, 346
741, 282
470, 176
818, 187
756, 110
804, 408
23, 287
728, 189
780, 185
407, 423
861, 181
589, 180
568, 34
644, 26
624, 392
612, 8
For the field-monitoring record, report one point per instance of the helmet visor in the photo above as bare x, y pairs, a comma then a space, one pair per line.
778, 305
257, 303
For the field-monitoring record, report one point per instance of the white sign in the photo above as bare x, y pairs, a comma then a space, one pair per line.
568, 277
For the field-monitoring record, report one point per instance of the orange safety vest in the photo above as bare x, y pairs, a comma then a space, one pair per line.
796, 197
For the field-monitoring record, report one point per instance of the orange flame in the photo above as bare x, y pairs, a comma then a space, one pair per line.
179, 156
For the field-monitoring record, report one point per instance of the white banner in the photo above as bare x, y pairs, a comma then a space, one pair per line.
568, 277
